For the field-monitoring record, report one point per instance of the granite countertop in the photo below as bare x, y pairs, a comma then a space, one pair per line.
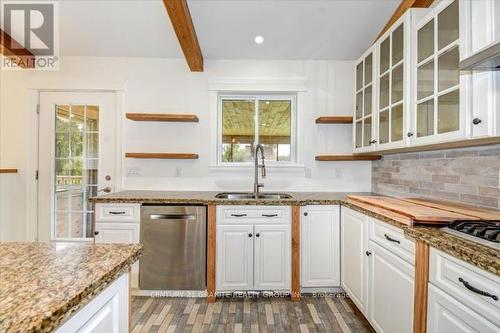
43, 284
208, 198
481, 256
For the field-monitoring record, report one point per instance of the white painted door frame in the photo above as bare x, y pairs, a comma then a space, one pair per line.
33, 139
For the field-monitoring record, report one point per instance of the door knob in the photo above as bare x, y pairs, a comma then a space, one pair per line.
107, 189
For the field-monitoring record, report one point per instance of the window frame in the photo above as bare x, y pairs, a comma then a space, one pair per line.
292, 97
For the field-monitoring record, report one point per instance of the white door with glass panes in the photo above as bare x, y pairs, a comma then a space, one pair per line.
77, 160
392, 82
440, 107
364, 122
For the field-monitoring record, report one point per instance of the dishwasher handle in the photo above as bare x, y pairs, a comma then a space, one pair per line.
172, 217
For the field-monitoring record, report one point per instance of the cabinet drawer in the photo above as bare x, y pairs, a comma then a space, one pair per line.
465, 282
392, 239
118, 212
253, 214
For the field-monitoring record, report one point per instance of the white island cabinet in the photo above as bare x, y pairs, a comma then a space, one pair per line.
108, 312
253, 248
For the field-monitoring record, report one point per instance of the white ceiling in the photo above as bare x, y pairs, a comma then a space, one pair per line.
296, 29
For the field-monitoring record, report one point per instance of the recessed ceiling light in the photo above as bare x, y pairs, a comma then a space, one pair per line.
259, 39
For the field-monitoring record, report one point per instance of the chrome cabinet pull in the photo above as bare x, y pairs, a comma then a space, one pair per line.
391, 239
116, 213
238, 215
269, 215
477, 291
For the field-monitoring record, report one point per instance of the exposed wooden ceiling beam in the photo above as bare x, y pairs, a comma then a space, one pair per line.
402, 8
180, 17
10, 48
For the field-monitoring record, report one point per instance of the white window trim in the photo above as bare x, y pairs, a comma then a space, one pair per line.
261, 86
259, 97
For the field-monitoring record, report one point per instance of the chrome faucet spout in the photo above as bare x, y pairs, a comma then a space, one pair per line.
256, 184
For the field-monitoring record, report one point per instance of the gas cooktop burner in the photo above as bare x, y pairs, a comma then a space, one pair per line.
484, 232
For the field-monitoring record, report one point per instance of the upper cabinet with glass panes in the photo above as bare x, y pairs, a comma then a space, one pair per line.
364, 103
438, 113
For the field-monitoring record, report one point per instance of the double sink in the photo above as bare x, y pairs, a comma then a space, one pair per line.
251, 195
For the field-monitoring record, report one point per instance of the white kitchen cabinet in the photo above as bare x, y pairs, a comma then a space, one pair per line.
108, 312
320, 246
441, 106
391, 281
364, 122
445, 314
234, 257
253, 248
354, 267
272, 263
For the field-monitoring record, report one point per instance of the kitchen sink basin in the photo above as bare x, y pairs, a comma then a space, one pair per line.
248, 195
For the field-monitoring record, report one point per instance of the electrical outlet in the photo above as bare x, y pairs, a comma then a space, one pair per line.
133, 171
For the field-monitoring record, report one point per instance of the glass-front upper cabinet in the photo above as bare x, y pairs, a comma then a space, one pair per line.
437, 113
364, 103
392, 80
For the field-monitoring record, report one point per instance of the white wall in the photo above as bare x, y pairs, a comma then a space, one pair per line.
166, 85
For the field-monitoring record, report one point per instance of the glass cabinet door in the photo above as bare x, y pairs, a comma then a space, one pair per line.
391, 87
364, 102
437, 109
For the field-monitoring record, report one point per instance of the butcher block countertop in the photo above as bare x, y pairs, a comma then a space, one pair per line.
481, 256
44, 284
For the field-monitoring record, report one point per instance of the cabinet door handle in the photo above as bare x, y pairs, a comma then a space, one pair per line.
96, 233
238, 215
249, 235
372, 142
116, 213
390, 239
257, 235
368, 253
476, 121
305, 213
269, 215
477, 291
409, 134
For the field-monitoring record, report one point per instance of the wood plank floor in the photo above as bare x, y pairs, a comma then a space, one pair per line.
311, 314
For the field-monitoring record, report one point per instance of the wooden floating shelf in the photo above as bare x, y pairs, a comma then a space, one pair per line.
326, 158
334, 120
187, 118
8, 170
171, 156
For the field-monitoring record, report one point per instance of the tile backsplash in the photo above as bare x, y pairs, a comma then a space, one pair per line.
469, 175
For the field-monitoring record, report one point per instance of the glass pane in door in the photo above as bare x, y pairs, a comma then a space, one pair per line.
383, 135
448, 25
359, 76
368, 69
425, 80
384, 91
448, 72
397, 44
397, 84
449, 112
238, 130
397, 123
275, 129
359, 105
368, 101
425, 118
76, 161
385, 55
367, 133
359, 133
425, 41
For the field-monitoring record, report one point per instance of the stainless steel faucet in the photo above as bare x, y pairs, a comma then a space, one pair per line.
256, 184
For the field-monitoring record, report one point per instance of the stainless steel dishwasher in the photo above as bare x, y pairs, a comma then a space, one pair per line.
175, 242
